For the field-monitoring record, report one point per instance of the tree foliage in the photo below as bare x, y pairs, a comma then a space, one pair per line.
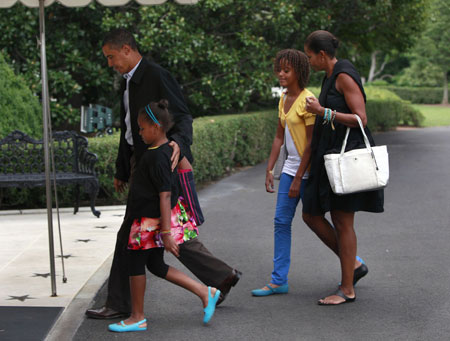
220, 51
19, 108
430, 58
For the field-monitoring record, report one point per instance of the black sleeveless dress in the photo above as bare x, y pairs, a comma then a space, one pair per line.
318, 197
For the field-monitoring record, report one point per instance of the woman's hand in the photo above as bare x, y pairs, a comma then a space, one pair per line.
170, 245
313, 106
294, 190
269, 182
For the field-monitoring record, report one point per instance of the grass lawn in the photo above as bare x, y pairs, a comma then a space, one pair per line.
435, 115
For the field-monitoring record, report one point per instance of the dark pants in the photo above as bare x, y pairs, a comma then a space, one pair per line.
193, 254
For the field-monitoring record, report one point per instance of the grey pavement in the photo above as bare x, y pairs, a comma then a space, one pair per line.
404, 297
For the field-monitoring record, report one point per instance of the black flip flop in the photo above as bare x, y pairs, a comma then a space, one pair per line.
340, 294
359, 273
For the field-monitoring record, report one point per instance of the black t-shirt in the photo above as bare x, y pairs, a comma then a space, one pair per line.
153, 175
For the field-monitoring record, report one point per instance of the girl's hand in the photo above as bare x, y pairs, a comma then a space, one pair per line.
119, 185
313, 106
170, 245
269, 182
294, 190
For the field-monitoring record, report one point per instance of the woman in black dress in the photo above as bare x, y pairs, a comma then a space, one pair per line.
343, 93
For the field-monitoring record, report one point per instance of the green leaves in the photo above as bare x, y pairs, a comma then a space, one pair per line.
19, 108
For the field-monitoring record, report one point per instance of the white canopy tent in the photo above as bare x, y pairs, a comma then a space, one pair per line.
41, 4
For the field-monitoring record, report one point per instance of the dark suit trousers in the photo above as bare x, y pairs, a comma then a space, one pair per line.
193, 254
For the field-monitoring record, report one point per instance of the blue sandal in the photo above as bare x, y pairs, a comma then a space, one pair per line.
211, 307
122, 327
282, 289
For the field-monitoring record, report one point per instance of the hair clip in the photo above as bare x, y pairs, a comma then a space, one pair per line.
150, 113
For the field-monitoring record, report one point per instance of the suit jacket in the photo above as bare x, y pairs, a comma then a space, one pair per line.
151, 83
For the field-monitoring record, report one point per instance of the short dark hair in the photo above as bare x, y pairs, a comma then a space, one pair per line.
322, 41
118, 37
298, 61
161, 112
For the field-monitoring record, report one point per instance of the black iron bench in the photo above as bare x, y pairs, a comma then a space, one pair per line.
22, 163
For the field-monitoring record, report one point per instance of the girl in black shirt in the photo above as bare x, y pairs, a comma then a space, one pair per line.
155, 214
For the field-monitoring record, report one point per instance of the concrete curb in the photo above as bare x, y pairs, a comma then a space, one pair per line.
61, 210
73, 315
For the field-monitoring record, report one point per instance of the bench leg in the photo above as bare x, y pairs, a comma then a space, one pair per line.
93, 194
77, 199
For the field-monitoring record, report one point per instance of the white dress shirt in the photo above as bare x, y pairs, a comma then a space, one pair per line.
126, 101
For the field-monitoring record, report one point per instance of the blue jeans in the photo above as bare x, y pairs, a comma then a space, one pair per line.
284, 214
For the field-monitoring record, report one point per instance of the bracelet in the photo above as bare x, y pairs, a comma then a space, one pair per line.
165, 232
332, 119
326, 115
270, 172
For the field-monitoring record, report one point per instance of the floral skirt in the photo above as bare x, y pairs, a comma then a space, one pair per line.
145, 232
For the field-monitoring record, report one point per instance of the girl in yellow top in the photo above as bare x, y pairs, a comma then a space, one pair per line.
295, 126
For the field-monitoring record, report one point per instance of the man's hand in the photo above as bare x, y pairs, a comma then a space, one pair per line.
170, 245
119, 185
175, 154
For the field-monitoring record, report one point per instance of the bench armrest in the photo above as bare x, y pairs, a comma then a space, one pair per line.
86, 162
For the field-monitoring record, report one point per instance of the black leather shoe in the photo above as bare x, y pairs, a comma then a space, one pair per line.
105, 313
360, 272
227, 283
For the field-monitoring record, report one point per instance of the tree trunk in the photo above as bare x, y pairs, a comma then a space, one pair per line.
373, 66
445, 95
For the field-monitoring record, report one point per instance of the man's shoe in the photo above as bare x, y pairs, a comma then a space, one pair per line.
104, 313
227, 283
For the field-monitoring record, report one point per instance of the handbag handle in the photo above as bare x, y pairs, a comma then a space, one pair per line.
366, 141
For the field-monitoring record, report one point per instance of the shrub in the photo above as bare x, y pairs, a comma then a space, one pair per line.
385, 109
19, 108
220, 144
421, 95
224, 142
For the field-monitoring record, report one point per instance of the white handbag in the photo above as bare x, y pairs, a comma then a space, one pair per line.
358, 170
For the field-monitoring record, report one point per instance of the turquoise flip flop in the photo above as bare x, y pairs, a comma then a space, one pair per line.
211, 307
122, 327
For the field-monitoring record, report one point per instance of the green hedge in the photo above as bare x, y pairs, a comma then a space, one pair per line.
386, 110
421, 95
18, 107
222, 143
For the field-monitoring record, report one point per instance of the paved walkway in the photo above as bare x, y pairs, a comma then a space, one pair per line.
404, 297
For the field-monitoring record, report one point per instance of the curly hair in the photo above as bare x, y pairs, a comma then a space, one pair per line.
297, 60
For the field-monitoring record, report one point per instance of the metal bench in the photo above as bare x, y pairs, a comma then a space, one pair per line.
22, 163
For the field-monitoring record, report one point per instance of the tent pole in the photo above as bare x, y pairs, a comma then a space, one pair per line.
45, 120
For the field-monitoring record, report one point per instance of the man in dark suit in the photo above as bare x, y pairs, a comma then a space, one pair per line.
147, 82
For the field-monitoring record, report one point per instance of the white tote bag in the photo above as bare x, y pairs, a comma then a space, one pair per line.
358, 170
